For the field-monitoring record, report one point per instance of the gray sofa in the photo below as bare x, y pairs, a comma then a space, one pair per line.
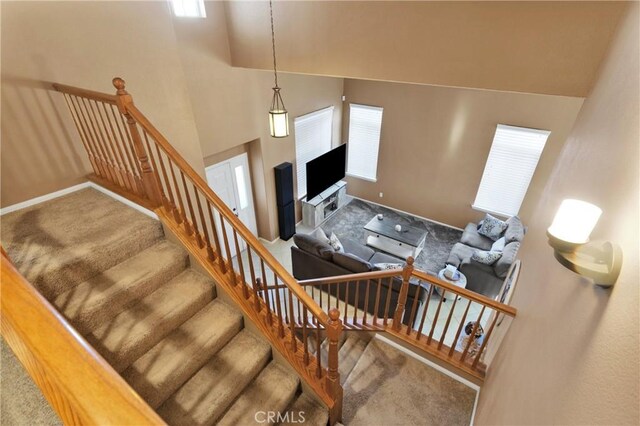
312, 258
481, 278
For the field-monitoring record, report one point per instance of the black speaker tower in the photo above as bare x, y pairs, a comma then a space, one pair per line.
285, 201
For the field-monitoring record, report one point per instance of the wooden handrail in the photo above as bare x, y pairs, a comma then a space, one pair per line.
78, 383
361, 276
84, 93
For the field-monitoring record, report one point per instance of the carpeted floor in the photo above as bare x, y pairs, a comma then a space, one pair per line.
350, 220
387, 387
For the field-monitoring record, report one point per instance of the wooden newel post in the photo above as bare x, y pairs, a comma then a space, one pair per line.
334, 330
149, 176
404, 292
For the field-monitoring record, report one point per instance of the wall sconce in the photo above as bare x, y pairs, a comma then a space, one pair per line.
569, 237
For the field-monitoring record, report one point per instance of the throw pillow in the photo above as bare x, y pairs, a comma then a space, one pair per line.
515, 230
312, 245
486, 257
508, 257
335, 243
492, 227
387, 265
320, 235
499, 244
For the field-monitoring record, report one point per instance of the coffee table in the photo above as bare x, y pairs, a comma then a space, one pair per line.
381, 234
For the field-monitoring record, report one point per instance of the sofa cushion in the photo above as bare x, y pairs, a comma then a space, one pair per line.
459, 253
359, 249
351, 262
314, 246
515, 230
384, 258
471, 237
492, 227
503, 264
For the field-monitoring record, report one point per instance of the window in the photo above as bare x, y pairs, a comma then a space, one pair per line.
313, 138
364, 141
189, 8
512, 161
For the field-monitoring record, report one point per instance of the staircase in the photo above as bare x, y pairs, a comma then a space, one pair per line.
133, 295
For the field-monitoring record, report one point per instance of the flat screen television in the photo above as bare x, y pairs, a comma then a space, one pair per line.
325, 170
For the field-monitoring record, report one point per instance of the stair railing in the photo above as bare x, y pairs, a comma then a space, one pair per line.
131, 157
78, 383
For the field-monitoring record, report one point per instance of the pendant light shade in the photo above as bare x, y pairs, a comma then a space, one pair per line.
278, 115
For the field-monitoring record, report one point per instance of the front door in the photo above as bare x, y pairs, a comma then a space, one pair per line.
231, 181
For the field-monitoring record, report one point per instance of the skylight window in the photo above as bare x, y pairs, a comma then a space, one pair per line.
189, 8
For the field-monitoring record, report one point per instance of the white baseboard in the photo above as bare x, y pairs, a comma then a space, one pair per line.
264, 240
71, 189
407, 213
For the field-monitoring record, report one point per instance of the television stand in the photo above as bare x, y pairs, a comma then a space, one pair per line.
324, 205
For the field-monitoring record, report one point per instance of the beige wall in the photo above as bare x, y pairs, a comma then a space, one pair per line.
536, 47
571, 355
83, 44
231, 105
435, 142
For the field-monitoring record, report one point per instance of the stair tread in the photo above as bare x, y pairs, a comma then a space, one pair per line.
168, 365
206, 395
306, 410
349, 354
93, 301
128, 335
272, 391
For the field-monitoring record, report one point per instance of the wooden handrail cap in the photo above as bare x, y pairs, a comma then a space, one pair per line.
119, 84
410, 260
334, 314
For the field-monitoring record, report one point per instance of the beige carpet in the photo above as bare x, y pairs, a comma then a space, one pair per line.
387, 387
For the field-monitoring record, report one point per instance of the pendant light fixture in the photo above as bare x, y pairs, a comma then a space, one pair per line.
278, 115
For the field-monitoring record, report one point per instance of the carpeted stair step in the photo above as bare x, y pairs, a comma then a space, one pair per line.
102, 297
63, 242
205, 397
124, 338
349, 354
272, 391
313, 413
169, 364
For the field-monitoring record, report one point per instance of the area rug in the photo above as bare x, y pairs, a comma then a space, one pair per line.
350, 220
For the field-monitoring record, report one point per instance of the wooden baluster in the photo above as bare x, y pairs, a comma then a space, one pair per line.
318, 353
455, 339
346, 301
387, 301
334, 330
98, 149
216, 239
205, 230
484, 342
183, 215
128, 179
165, 200
414, 309
278, 306
473, 333
149, 176
266, 294
92, 160
337, 295
257, 286
225, 239
110, 144
435, 318
192, 213
172, 202
304, 335
135, 183
95, 126
130, 148
254, 285
292, 323
299, 310
377, 303
404, 291
355, 302
366, 303
245, 290
446, 325
424, 312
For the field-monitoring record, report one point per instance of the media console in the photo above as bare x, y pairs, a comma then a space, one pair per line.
324, 205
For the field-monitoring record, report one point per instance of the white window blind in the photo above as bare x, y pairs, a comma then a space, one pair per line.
313, 138
189, 8
365, 123
512, 161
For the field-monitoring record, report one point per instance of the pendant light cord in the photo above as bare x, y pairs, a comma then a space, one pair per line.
273, 43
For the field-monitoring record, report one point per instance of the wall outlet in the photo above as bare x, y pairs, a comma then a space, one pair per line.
381, 195
344, 98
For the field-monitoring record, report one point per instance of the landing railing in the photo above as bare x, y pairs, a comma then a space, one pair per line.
130, 156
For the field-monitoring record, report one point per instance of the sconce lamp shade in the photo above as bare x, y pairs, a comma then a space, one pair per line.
278, 116
574, 221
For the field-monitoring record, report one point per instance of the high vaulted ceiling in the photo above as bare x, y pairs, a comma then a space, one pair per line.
535, 47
